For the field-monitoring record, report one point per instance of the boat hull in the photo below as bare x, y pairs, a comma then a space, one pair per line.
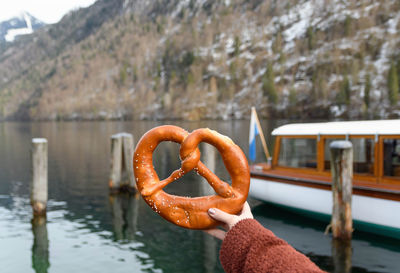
370, 214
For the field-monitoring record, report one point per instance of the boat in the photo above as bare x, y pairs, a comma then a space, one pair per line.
299, 177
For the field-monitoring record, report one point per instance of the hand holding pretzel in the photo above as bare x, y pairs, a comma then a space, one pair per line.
183, 211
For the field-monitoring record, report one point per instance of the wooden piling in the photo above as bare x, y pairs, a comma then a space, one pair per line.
39, 176
116, 162
128, 150
210, 246
342, 174
121, 175
208, 154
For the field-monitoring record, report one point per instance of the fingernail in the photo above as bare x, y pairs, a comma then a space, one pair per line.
211, 211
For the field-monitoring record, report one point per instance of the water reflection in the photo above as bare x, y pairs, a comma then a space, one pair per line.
40, 247
124, 211
210, 253
341, 255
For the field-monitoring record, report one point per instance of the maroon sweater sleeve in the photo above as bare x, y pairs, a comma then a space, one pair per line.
249, 247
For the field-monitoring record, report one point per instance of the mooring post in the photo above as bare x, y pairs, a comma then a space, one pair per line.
208, 154
121, 175
342, 174
210, 247
128, 159
39, 176
116, 161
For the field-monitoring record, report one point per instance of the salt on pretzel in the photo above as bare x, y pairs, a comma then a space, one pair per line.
184, 211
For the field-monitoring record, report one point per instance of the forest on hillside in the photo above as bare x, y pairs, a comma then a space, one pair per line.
208, 60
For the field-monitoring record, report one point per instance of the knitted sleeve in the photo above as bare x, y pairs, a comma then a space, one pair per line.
249, 247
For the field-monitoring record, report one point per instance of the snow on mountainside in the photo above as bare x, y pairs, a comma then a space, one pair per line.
22, 24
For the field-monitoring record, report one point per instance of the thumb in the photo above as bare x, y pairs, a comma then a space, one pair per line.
220, 215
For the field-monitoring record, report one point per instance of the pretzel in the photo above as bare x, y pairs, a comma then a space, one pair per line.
185, 211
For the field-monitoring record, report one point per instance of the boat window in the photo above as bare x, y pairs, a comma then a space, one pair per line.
363, 155
298, 153
391, 157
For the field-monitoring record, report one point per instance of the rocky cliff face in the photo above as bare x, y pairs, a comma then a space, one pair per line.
208, 59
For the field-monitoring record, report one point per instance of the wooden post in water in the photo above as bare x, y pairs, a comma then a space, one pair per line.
116, 162
121, 175
208, 153
208, 158
342, 186
39, 176
128, 150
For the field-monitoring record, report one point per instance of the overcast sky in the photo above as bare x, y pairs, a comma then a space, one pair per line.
48, 11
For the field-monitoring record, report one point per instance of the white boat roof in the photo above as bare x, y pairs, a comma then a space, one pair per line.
367, 127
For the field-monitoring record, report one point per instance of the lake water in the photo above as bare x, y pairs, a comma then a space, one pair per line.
88, 230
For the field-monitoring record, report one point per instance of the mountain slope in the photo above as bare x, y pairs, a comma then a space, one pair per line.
208, 59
